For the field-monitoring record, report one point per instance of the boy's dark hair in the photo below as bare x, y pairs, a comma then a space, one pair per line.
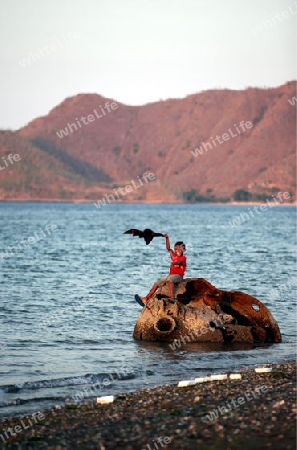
181, 244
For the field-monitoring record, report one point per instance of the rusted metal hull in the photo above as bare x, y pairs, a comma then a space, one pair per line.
204, 313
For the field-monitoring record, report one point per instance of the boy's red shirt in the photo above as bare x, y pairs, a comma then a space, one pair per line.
180, 269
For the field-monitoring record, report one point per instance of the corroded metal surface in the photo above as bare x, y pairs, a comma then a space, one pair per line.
204, 313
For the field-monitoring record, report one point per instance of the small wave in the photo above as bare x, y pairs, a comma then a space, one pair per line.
33, 385
21, 401
14, 402
71, 381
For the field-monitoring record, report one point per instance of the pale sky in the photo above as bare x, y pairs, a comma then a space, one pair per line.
138, 51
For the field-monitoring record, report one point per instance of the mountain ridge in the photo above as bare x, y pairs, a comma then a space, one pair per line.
100, 153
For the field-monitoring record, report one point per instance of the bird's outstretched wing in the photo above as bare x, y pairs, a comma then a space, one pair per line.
146, 234
134, 232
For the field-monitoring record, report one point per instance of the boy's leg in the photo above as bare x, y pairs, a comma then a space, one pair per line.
151, 293
173, 281
155, 287
171, 289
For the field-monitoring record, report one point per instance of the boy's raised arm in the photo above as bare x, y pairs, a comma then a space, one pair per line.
167, 242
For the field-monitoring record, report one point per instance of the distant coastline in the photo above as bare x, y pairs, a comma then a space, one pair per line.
141, 202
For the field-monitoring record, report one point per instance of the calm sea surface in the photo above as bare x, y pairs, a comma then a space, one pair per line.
67, 311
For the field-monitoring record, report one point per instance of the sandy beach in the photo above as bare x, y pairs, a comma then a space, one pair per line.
257, 411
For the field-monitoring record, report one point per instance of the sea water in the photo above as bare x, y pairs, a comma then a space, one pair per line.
68, 279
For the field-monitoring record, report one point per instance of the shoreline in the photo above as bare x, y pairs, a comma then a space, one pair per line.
138, 202
256, 411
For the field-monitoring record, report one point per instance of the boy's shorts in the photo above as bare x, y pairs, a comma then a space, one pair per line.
173, 278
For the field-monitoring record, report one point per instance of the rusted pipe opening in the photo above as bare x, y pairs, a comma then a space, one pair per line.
164, 326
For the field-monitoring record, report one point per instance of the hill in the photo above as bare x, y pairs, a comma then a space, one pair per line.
214, 145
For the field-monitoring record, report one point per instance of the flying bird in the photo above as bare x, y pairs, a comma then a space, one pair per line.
147, 234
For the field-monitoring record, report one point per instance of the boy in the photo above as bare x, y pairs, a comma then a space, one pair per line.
177, 269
